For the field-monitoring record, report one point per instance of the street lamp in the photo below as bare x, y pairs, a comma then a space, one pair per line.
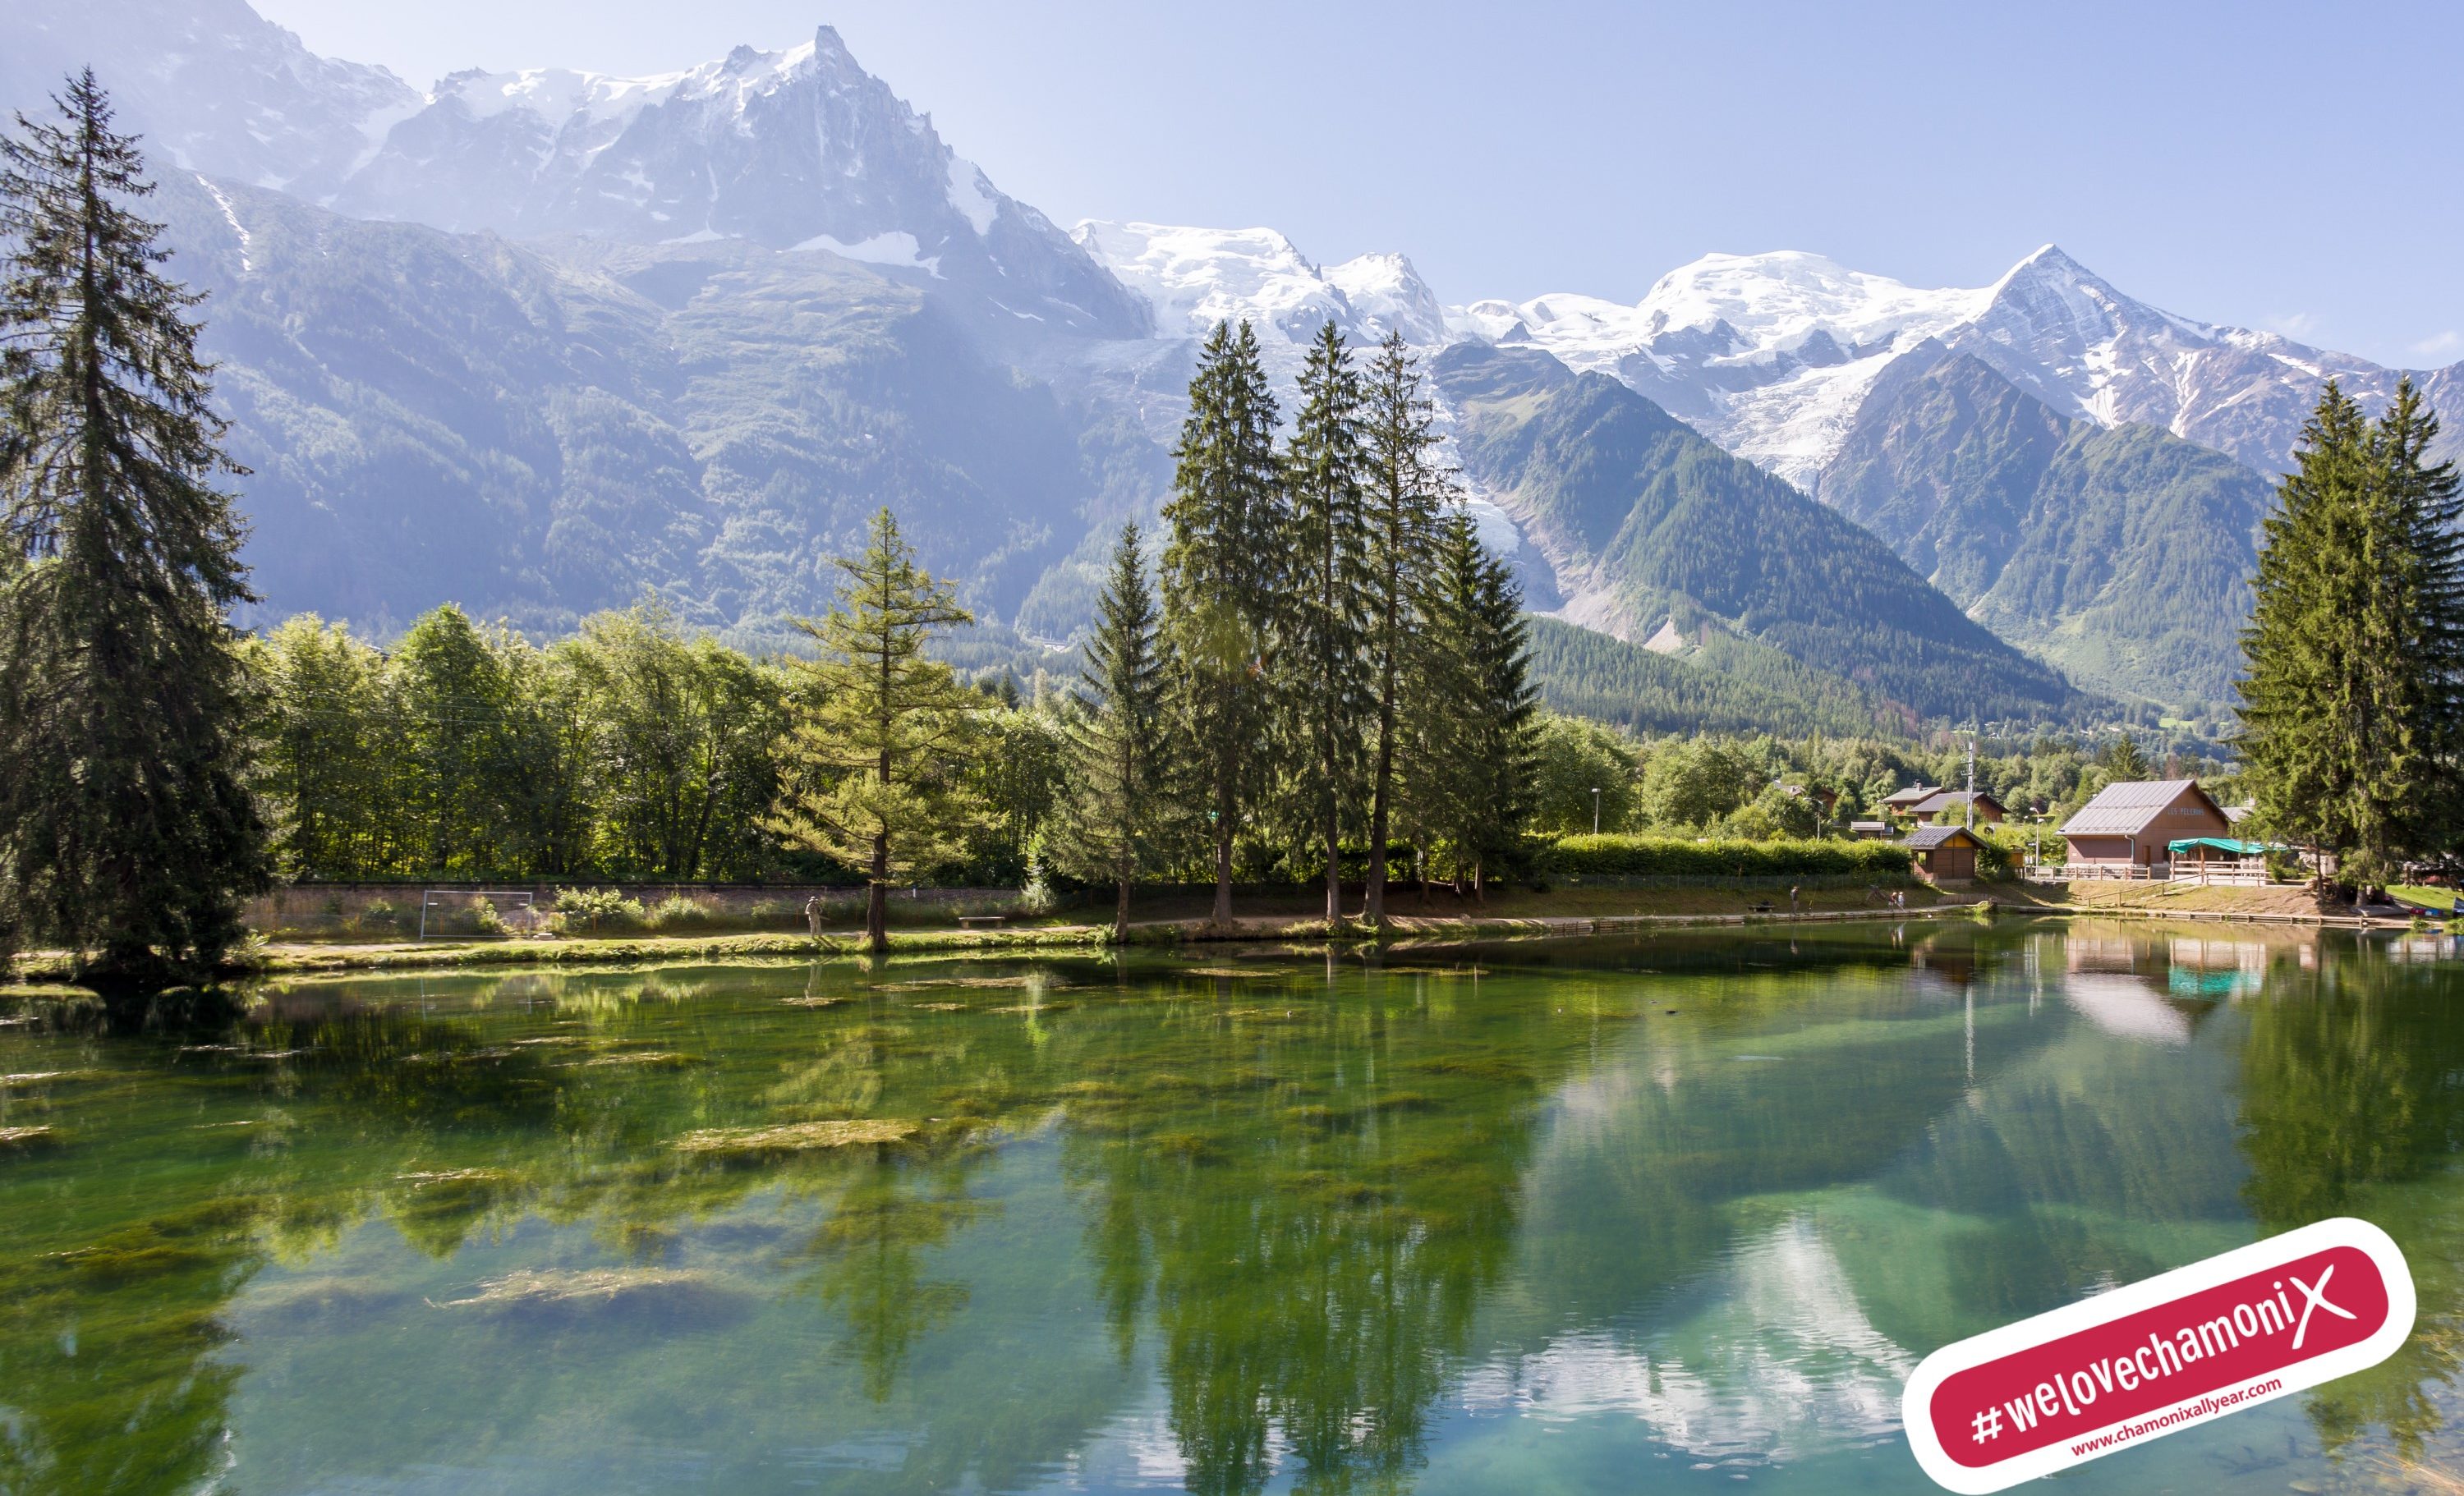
1596, 810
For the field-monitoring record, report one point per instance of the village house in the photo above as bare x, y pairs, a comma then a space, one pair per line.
1953, 804
1944, 852
1903, 802
2125, 829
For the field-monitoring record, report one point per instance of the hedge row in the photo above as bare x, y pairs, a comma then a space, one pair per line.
1671, 856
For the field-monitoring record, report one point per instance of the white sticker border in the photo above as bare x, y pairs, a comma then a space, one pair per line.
1915, 1402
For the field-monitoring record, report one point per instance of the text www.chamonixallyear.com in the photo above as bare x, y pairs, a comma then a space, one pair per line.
2211, 1403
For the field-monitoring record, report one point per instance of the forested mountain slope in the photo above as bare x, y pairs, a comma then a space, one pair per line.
1650, 524
2123, 554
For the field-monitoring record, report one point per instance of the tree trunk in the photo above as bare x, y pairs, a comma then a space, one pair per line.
876, 909
1373, 896
1333, 866
1121, 916
1222, 914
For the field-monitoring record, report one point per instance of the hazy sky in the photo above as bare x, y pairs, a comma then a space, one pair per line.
2271, 164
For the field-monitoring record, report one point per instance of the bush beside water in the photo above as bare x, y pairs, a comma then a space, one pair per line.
1613, 855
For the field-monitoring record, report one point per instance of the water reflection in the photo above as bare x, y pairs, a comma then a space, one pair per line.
1228, 1225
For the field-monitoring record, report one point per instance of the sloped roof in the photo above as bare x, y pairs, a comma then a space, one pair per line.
1926, 838
2130, 807
1954, 799
1911, 795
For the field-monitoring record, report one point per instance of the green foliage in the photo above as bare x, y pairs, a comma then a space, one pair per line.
681, 732
2353, 722
1405, 492
1119, 823
1571, 758
1666, 856
1221, 578
1470, 749
1723, 685
1325, 707
596, 907
1696, 783
127, 831
881, 735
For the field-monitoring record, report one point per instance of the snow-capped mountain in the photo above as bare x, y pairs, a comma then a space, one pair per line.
1192, 278
1771, 355
799, 149
212, 86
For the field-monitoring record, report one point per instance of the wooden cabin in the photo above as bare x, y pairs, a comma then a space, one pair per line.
1944, 852
2126, 828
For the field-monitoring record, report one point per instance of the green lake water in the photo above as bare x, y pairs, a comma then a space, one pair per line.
1666, 1214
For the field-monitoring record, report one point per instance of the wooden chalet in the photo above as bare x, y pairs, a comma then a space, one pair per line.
2128, 829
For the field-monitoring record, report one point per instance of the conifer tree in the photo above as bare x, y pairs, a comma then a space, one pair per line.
1325, 703
1506, 705
1116, 826
1404, 494
1221, 573
2353, 713
1468, 742
126, 829
880, 735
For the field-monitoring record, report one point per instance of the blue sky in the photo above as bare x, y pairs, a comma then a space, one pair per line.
2267, 165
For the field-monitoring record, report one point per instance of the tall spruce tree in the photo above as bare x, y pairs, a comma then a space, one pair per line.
1325, 701
2353, 709
1116, 826
126, 829
1405, 493
1468, 743
1222, 575
880, 735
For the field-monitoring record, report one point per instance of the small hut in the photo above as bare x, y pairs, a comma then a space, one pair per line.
1944, 852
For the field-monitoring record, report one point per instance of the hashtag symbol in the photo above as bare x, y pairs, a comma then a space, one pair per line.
1988, 1424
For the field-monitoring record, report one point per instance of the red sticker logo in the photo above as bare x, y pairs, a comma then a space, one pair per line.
2216, 1338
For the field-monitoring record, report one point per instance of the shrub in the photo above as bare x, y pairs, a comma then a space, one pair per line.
677, 912
1678, 857
380, 914
594, 907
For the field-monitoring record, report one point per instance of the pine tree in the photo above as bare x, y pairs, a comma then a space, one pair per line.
2353, 714
1325, 703
1468, 742
1116, 826
1505, 709
126, 829
1221, 578
880, 734
1405, 493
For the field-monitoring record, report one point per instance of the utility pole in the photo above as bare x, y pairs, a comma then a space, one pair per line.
1596, 810
1972, 781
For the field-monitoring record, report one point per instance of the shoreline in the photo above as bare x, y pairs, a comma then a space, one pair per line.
298, 958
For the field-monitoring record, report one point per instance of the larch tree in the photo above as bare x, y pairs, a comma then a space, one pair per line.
1116, 826
2352, 721
1405, 493
880, 735
1222, 567
1325, 703
127, 828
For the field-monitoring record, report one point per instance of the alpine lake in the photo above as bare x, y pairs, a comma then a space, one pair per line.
1670, 1213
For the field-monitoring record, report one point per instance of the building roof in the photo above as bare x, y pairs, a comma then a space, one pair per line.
1926, 838
1911, 795
2131, 806
1954, 799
